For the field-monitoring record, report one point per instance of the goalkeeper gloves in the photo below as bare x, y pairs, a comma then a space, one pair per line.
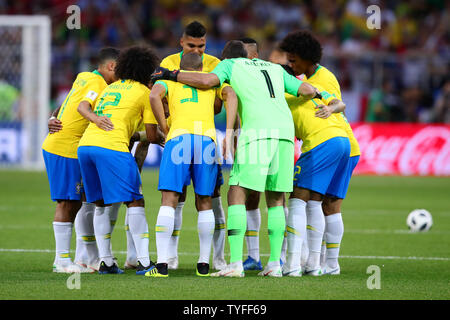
161, 73
318, 95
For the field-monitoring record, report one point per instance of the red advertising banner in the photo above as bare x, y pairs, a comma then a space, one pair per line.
403, 149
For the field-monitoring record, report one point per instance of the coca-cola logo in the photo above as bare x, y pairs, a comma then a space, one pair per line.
403, 149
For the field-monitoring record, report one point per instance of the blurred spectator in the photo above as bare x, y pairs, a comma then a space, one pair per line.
383, 104
413, 45
9, 96
441, 108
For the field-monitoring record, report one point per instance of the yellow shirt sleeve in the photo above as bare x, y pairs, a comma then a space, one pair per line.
93, 91
220, 90
327, 97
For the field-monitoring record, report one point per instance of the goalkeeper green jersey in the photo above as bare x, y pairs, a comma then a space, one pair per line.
260, 86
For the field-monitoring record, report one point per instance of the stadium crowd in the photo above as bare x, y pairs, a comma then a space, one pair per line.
414, 38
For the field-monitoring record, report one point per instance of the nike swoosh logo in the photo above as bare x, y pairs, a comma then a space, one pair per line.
157, 73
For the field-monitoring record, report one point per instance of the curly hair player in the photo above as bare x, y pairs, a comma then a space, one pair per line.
109, 171
329, 154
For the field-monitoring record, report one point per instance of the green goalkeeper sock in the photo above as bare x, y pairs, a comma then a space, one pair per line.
237, 223
276, 224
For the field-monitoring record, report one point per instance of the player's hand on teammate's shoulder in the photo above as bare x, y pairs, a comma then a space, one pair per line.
308, 91
104, 123
161, 73
323, 111
54, 125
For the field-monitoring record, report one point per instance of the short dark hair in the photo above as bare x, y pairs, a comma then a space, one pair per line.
234, 49
195, 29
191, 61
247, 40
250, 41
303, 44
136, 63
108, 54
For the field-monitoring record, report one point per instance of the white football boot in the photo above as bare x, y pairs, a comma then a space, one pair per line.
172, 263
271, 271
333, 271
70, 268
235, 270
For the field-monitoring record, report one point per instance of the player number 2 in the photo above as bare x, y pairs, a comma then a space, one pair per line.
101, 106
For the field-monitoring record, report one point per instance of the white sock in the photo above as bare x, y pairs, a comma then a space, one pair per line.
334, 231
164, 230
315, 229
252, 233
80, 248
323, 248
305, 252
63, 235
273, 264
84, 227
219, 229
205, 226
131, 248
139, 231
284, 246
296, 230
102, 228
175, 237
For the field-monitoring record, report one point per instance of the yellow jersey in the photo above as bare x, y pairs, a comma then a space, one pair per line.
309, 128
127, 104
86, 87
173, 62
326, 79
191, 109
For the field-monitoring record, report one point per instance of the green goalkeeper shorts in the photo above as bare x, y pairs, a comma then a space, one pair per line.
264, 164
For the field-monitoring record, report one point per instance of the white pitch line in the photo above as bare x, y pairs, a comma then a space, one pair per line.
348, 231
262, 254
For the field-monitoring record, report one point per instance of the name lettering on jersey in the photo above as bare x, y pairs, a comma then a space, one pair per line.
119, 86
257, 63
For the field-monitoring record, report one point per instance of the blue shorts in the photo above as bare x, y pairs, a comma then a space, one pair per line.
338, 189
323, 166
64, 177
219, 180
108, 175
189, 157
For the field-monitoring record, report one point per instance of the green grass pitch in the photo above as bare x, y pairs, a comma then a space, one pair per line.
412, 266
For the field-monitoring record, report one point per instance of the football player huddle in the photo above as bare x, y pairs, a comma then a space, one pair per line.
132, 96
